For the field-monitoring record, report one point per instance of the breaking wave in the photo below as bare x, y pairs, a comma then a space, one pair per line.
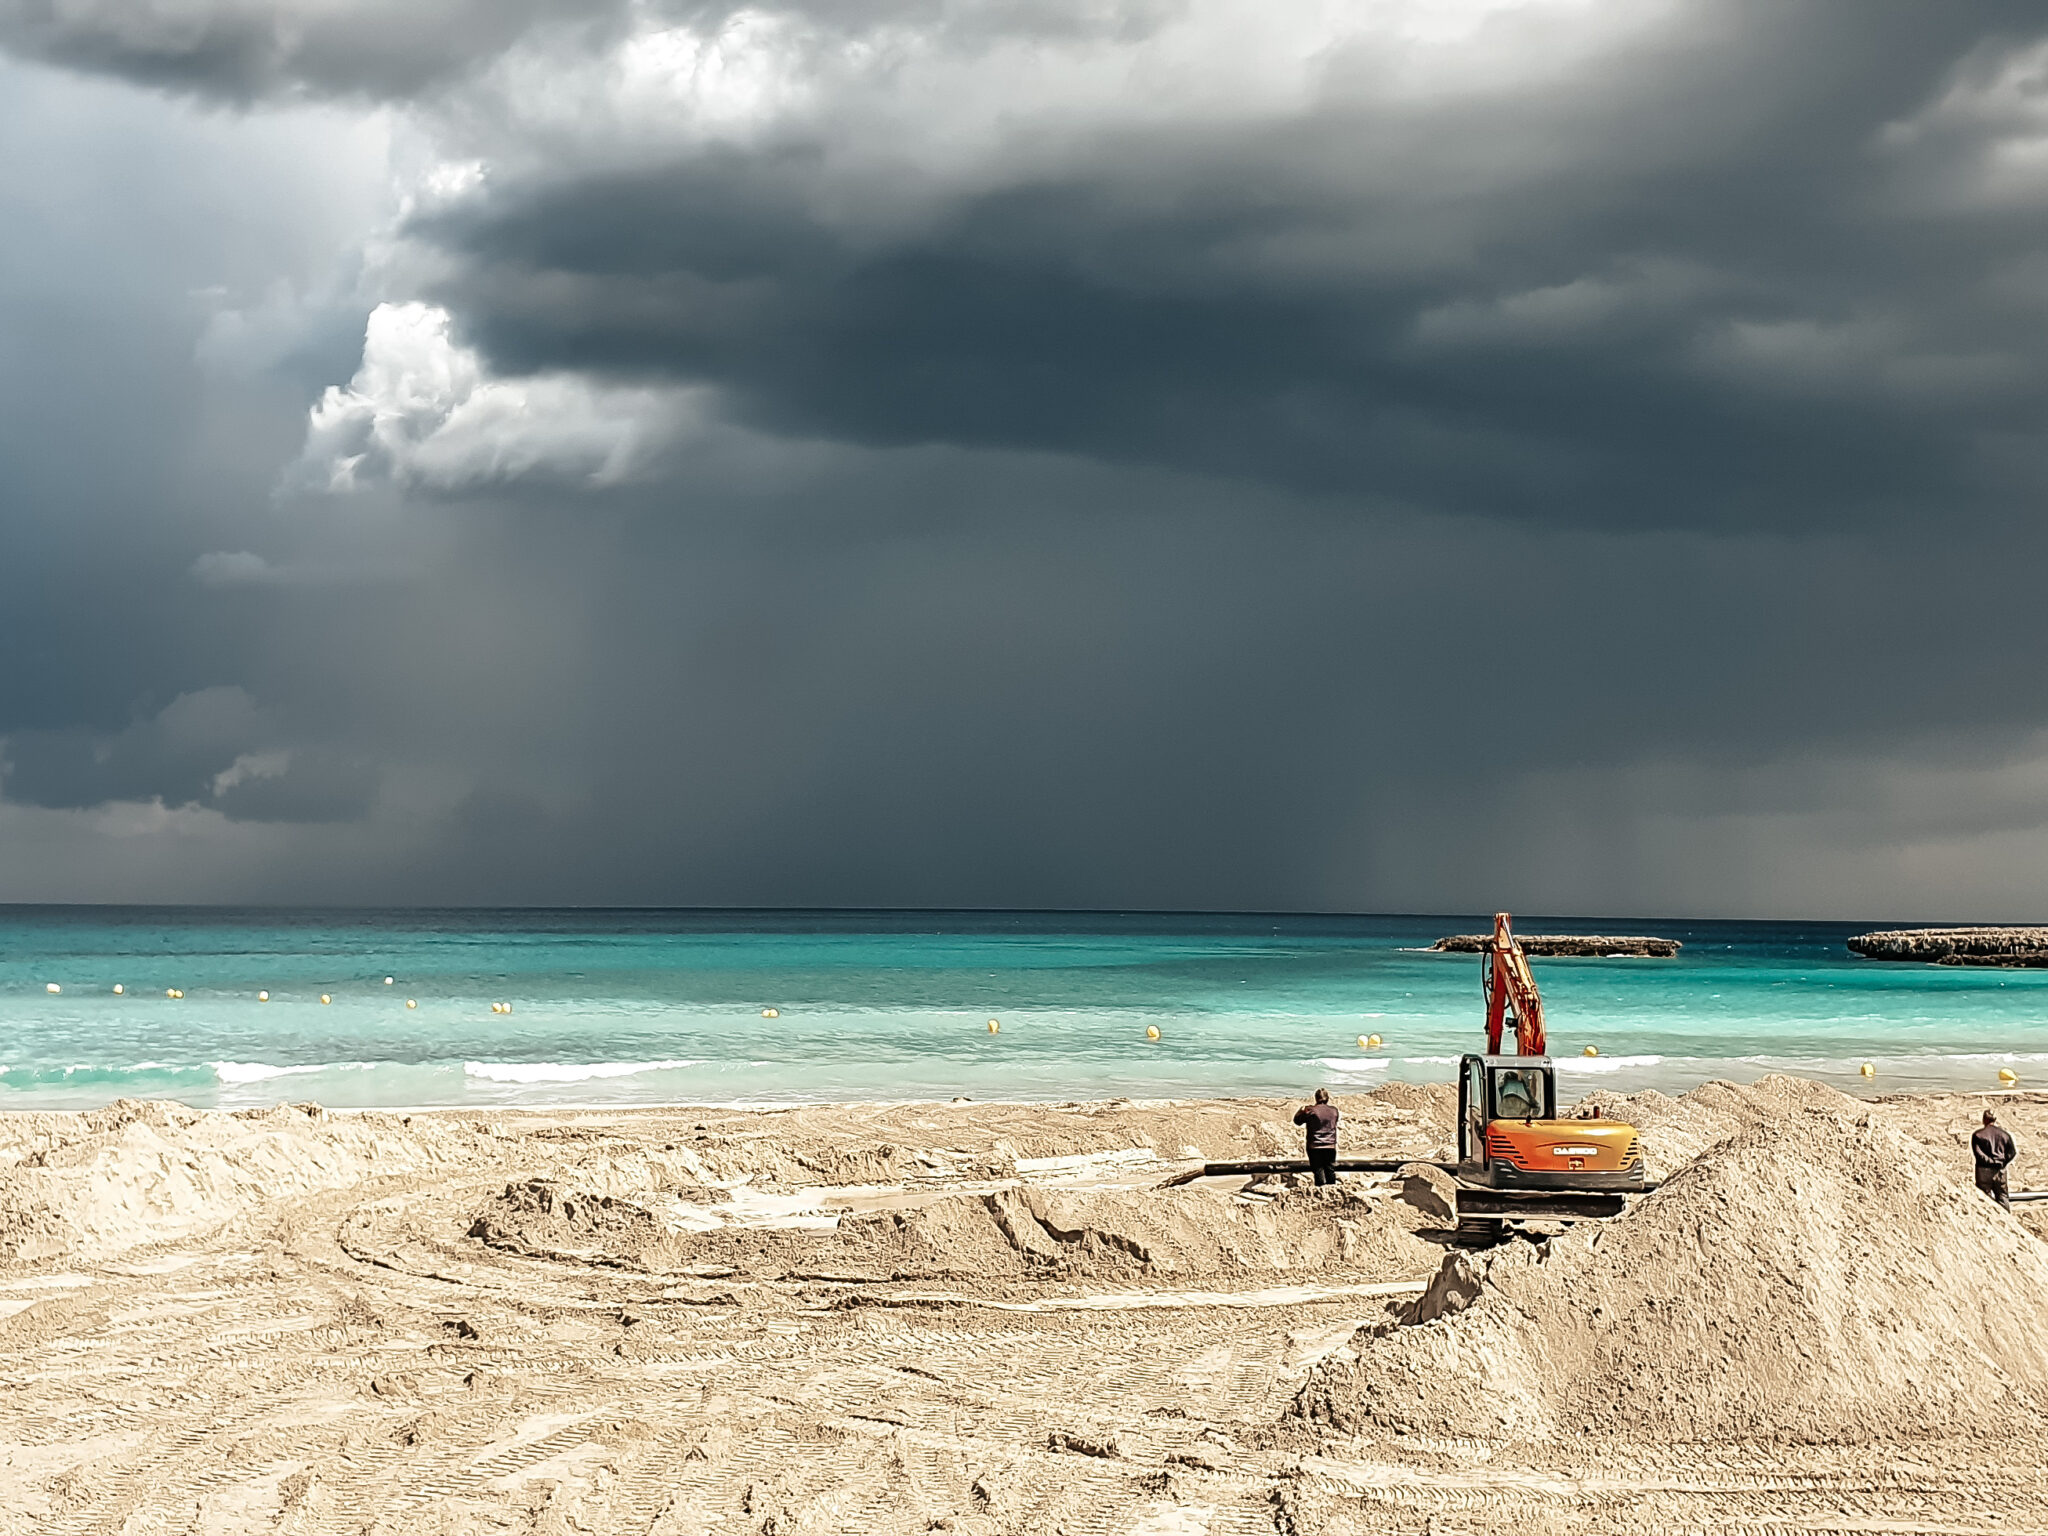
233, 1074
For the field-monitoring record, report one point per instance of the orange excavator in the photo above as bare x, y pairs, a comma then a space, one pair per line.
1511, 1142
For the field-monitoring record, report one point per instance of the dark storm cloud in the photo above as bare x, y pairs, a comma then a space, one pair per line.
133, 224
1114, 693
1724, 270
1709, 283
175, 755
1028, 455
215, 748
244, 52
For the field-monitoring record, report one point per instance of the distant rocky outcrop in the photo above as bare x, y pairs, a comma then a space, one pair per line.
1592, 946
1956, 946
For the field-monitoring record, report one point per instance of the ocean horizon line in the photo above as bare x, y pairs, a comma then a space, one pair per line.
1694, 919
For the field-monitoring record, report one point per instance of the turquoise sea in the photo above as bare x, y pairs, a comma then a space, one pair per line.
610, 1006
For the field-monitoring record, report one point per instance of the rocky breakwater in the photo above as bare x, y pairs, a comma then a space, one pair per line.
1956, 946
1588, 946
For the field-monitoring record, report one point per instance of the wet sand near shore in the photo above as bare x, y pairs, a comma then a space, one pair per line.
994, 1318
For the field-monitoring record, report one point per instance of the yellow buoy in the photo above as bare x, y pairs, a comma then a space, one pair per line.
1591, 1050
1867, 1070
388, 980
994, 1027
2007, 1075
1151, 1031
771, 1013
325, 998
411, 1003
1361, 1042
119, 989
262, 997
1373, 1041
51, 987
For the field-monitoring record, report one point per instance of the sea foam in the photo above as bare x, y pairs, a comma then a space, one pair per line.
1603, 1063
563, 1072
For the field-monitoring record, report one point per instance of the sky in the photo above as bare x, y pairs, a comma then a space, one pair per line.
1399, 455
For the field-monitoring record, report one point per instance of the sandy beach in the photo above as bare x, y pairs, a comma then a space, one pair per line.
983, 1317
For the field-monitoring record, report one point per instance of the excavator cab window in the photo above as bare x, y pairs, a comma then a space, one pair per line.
1521, 1093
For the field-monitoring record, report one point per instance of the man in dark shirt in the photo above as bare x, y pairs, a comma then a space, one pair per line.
1321, 1120
1993, 1150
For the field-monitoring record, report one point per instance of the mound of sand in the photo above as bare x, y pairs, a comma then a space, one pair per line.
92, 1185
1675, 1131
1037, 1234
1435, 1104
1817, 1277
539, 1216
1019, 1233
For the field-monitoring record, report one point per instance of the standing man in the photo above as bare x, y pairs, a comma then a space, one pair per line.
1321, 1120
1993, 1150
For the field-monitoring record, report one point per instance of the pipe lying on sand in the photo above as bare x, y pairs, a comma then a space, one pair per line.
1258, 1165
1479, 1202
1512, 1204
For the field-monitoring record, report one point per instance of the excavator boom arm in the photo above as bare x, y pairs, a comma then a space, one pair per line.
1509, 984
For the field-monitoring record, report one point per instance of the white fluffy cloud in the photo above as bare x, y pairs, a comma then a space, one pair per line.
423, 412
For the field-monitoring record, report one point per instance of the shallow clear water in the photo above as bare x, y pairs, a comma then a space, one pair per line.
662, 1006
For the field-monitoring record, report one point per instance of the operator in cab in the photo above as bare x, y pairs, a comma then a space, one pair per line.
1515, 1098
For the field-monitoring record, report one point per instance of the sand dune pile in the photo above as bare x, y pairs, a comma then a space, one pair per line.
1676, 1130
541, 1217
92, 1185
1017, 1233
1816, 1277
1038, 1234
95, 1184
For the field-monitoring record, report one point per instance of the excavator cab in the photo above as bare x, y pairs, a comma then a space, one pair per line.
1509, 1136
